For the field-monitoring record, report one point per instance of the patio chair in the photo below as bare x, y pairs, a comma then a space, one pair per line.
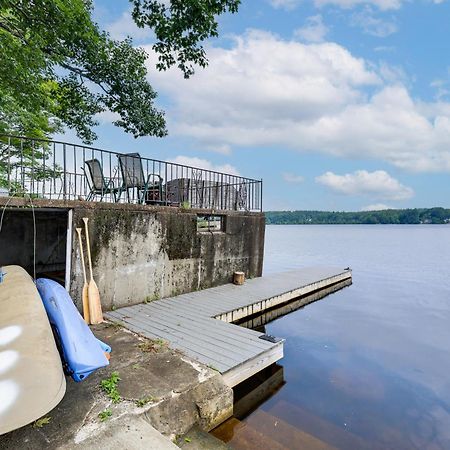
149, 190
97, 182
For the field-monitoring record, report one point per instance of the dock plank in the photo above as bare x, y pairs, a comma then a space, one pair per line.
200, 324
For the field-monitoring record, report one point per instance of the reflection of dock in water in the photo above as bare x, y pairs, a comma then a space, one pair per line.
253, 392
257, 321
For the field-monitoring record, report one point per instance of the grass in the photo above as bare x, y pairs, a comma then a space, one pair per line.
143, 401
152, 346
42, 422
109, 386
105, 415
151, 298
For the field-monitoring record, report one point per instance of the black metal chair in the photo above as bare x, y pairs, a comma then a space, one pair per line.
149, 190
98, 184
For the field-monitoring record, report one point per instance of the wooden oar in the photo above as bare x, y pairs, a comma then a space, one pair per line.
95, 307
85, 286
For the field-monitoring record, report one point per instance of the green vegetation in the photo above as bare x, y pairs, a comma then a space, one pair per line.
387, 216
143, 401
59, 69
105, 415
109, 386
41, 422
153, 346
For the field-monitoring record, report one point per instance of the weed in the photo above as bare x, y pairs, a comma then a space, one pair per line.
109, 386
152, 346
105, 415
143, 401
115, 325
212, 367
136, 366
186, 439
151, 298
41, 422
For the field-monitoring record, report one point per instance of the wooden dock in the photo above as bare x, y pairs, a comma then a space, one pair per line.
200, 324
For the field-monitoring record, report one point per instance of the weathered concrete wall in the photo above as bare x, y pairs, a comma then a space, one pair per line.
144, 253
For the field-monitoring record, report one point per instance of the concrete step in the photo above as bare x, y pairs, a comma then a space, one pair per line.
197, 439
319, 427
285, 434
128, 433
242, 436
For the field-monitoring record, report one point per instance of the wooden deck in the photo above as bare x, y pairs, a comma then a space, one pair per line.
200, 324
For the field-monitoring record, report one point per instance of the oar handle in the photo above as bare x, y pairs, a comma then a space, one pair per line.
85, 220
82, 253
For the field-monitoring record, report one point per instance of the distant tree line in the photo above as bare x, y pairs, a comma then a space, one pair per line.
387, 216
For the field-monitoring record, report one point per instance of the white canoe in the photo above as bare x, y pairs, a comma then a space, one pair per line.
32, 381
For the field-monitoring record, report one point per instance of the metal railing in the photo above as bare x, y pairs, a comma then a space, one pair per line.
59, 170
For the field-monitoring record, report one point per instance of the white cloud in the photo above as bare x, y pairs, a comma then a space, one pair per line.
125, 26
314, 30
370, 24
377, 184
347, 4
376, 207
292, 178
205, 164
288, 5
307, 97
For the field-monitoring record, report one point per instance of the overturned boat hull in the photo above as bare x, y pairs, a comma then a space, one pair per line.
32, 380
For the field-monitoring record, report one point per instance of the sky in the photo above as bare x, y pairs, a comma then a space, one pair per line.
335, 104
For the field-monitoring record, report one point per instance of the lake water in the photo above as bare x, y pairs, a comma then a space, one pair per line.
368, 366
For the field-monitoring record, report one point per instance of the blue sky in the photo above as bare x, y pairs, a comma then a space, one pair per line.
336, 104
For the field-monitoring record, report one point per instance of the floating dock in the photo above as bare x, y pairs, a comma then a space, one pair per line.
201, 324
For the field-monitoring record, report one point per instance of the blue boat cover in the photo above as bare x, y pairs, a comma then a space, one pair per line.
81, 351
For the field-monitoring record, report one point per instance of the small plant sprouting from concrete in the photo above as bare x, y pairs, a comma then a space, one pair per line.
185, 205
161, 342
105, 415
187, 439
115, 325
109, 386
213, 368
151, 298
136, 366
143, 401
152, 346
42, 422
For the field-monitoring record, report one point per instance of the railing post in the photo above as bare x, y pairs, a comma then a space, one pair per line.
65, 173
9, 165
261, 191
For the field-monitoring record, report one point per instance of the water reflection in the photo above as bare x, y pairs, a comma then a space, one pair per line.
367, 367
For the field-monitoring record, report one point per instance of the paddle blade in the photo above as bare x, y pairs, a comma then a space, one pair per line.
86, 314
95, 307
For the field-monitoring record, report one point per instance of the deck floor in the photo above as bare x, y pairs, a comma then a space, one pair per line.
200, 323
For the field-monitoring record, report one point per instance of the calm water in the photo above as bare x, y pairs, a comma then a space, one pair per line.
368, 366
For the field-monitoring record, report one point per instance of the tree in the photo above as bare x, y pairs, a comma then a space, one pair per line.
59, 69
58, 66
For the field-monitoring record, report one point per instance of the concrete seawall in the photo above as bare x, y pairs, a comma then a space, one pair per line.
140, 253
